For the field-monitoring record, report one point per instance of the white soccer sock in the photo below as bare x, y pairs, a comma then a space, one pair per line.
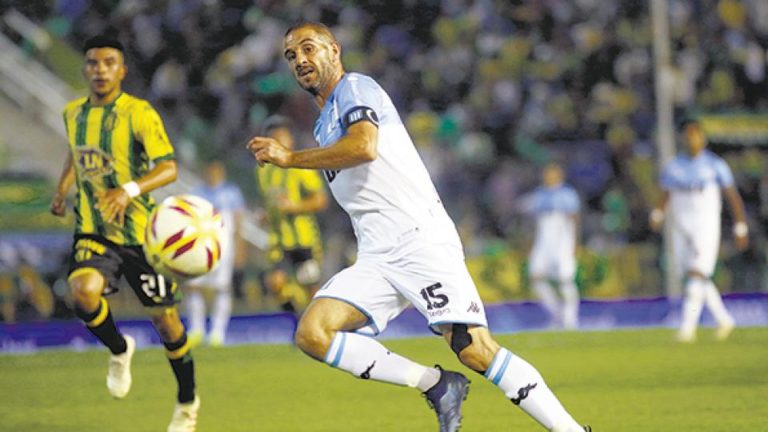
366, 358
222, 310
715, 304
570, 305
692, 305
547, 297
525, 387
195, 312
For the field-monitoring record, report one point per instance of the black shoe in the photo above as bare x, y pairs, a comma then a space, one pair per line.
587, 428
446, 398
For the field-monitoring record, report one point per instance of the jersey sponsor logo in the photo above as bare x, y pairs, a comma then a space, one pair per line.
522, 393
330, 175
94, 163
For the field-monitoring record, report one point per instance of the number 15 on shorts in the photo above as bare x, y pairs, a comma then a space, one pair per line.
434, 299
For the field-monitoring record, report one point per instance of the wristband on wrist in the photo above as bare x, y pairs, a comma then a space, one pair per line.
132, 189
657, 215
740, 229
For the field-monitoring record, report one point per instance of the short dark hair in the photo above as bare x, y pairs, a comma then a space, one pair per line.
103, 41
318, 26
275, 122
687, 120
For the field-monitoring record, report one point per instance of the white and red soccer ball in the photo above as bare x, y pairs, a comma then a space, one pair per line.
184, 237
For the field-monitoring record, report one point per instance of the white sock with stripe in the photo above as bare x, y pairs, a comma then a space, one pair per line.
364, 357
525, 387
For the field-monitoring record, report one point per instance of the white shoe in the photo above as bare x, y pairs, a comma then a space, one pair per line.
185, 416
724, 330
686, 337
119, 372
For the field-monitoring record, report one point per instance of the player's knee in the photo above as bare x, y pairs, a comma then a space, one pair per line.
167, 323
86, 293
313, 339
474, 351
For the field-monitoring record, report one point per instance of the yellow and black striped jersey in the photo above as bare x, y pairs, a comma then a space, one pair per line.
112, 145
290, 231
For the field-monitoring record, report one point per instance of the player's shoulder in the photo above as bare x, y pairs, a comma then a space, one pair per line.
75, 104
360, 81
133, 103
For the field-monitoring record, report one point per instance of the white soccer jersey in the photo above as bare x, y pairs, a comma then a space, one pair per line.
393, 195
227, 200
694, 187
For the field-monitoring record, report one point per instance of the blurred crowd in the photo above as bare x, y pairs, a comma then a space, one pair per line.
490, 89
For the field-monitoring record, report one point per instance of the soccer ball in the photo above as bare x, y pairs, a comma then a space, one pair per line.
184, 237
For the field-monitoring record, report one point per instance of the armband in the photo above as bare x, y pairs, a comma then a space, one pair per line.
740, 229
132, 189
360, 113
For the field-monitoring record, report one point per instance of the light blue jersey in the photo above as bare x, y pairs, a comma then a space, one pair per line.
391, 197
694, 186
562, 198
555, 209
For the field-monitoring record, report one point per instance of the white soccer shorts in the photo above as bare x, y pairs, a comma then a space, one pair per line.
696, 252
432, 277
553, 264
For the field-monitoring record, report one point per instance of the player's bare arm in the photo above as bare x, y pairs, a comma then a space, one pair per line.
656, 218
113, 202
740, 228
66, 180
357, 147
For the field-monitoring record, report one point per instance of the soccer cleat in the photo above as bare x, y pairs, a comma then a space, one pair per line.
724, 330
587, 428
686, 337
119, 372
195, 338
185, 416
446, 398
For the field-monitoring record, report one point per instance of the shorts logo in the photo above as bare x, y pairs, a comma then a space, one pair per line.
473, 307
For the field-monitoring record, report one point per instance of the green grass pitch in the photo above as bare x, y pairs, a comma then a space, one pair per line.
631, 380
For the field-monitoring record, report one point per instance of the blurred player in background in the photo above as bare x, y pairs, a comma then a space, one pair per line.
692, 184
291, 197
113, 136
228, 200
408, 249
553, 256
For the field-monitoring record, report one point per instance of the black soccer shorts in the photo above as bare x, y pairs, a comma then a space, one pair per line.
93, 252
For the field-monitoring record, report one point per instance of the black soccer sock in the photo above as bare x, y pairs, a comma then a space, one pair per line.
180, 357
101, 325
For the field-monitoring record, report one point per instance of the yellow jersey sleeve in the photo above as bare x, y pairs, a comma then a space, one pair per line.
311, 181
149, 129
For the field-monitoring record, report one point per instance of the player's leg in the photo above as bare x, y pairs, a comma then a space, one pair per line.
326, 333
94, 265
569, 292
713, 300
517, 378
220, 315
693, 304
195, 303
538, 269
171, 330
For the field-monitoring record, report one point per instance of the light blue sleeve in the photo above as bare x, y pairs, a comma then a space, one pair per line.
236, 200
666, 181
724, 173
358, 93
571, 202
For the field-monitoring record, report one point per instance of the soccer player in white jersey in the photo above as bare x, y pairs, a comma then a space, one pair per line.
228, 200
692, 185
553, 255
408, 249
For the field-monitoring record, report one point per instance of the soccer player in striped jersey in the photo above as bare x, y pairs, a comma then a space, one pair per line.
119, 152
693, 184
409, 251
292, 198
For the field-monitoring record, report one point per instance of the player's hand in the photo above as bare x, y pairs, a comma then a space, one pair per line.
58, 205
269, 150
656, 219
112, 204
742, 241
